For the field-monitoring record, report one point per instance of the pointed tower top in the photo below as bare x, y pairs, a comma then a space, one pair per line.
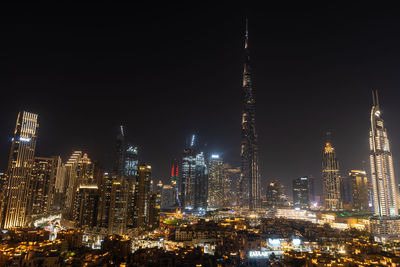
122, 130
247, 28
375, 98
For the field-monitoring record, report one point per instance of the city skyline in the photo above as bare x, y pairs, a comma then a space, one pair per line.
288, 118
201, 137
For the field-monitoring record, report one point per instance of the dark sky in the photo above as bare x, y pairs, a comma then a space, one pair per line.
167, 73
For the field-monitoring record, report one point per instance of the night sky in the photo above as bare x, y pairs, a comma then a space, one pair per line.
166, 74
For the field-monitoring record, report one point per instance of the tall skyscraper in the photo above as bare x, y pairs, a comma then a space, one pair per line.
118, 206
69, 181
119, 158
42, 185
359, 189
249, 180
194, 178
19, 170
86, 206
126, 156
302, 192
188, 177
175, 182
382, 171
275, 195
231, 185
201, 183
215, 182
331, 194
106, 189
142, 193
167, 197
131, 161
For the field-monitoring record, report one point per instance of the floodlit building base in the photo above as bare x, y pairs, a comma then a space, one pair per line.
385, 229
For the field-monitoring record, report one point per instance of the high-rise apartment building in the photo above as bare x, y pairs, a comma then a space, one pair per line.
106, 188
249, 193
117, 216
154, 206
69, 181
331, 189
167, 197
20, 164
359, 189
275, 195
86, 205
302, 192
231, 185
215, 182
42, 185
142, 193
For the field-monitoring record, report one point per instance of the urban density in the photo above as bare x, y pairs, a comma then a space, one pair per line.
206, 210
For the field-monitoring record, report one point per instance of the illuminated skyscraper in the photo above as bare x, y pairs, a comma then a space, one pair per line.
69, 181
142, 193
106, 188
131, 161
382, 171
215, 182
230, 188
126, 156
194, 178
302, 192
175, 182
19, 170
188, 175
249, 180
167, 197
331, 190
359, 186
118, 206
275, 195
42, 185
201, 183
86, 206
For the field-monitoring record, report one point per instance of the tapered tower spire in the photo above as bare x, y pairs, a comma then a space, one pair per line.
249, 179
